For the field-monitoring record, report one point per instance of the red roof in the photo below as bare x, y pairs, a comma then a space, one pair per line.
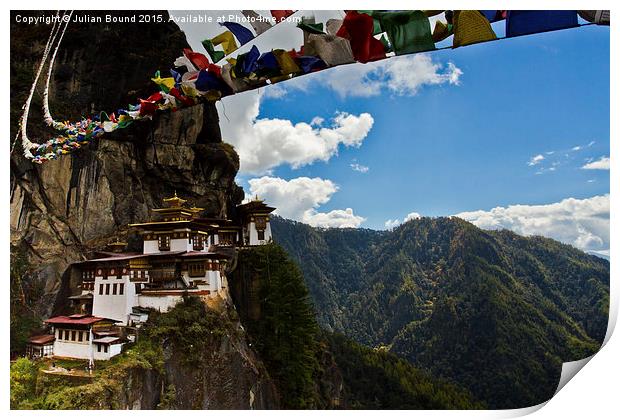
41, 339
77, 320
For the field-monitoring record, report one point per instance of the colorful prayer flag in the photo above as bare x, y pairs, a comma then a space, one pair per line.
243, 34
471, 27
358, 29
525, 22
408, 31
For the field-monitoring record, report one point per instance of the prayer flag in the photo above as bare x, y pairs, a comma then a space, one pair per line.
358, 29
286, 62
408, 31
243, 34
280, 15
333, 50
246, 63
227, 41
471, 27
310, 63
215, 55
600, 17
258, 22
493, 15
525, 22
442, 31
197, 59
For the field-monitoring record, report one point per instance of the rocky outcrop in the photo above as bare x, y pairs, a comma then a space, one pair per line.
63, 209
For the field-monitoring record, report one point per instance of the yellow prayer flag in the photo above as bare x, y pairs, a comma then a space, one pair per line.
286, 62
227, 40
471, 27
167, 82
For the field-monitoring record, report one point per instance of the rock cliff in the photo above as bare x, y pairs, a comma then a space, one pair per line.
63, 209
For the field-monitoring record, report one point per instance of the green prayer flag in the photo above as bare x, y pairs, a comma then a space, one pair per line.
408, 31
215, 55
313, 28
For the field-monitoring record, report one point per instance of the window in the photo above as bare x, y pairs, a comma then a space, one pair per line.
198, 242
105, 348
114, 288
101, 288
66, 335
121, 289
163, 242
261, 235
196, 269
80, 336
138, 288
107, 289
99, 348
73, 335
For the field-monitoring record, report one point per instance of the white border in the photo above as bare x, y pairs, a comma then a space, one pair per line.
592, 395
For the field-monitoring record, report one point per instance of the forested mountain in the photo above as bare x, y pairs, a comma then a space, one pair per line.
493, 311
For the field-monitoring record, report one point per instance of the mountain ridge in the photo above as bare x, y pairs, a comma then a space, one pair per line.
464, 303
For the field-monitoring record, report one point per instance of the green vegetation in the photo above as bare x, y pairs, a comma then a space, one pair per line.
23, 294
31, 388
377, 379
495, 312
285, 333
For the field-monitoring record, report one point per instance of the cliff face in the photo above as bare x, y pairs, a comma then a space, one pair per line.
63, 209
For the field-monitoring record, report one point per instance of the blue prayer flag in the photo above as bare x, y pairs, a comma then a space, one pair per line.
243, 34
525, 22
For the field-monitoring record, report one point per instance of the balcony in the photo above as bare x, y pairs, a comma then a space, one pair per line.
164, 274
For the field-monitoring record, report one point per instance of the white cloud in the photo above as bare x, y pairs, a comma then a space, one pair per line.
263, 144
601, 164
403, 76
359, 168
390, 224
535, 160
300, 198
583, 223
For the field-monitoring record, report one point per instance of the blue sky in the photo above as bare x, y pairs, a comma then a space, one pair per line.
450, 149
497, 133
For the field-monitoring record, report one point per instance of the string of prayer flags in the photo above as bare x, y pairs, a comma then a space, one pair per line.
280, 15
600, 17
526, 22
358, 29
243, 34
259, 24
196, 79
471, 27
409, 31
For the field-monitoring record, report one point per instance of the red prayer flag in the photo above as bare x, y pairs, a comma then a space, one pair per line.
182, 98
280, 15
199, 60
358, 28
